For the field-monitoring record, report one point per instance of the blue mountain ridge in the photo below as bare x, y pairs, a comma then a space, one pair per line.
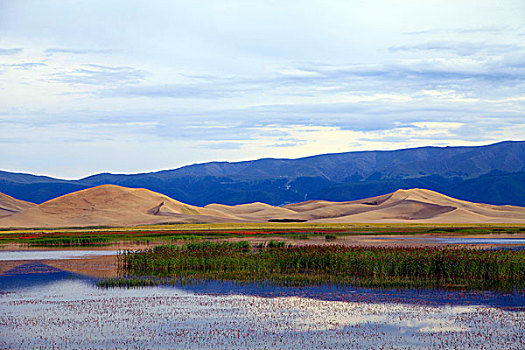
493, 174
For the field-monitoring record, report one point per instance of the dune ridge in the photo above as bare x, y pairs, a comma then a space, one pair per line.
10, 205
113, 205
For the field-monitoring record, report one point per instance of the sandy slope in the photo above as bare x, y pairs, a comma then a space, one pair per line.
419, 205
112, 205
252, 211
10, 205
120, 206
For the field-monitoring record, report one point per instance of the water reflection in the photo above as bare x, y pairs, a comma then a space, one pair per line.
73, 313
434, 297
35, 274
38, 275
465, 240
8, 255
43, 306
456, 240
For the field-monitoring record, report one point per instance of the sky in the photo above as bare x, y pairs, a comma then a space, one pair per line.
137, 86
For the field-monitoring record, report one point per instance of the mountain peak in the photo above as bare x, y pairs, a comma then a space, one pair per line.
475, 173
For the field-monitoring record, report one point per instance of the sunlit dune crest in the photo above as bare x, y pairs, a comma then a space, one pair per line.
121, 206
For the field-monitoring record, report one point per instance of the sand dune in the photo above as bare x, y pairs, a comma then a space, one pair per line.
120, 206
114, 206
416, 205
255, 210
10, 205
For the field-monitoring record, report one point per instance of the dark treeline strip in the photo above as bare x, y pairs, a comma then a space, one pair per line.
371, 266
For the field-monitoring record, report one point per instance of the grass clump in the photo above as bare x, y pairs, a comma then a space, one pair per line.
271, 244
128, 282
275, 244
183, 238
298, 236
208, 245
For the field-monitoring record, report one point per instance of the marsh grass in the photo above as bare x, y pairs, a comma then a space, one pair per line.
358, 266
130, 282
298, 236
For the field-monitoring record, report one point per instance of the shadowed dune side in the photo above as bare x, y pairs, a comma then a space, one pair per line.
10, 205
311, 205
120, 206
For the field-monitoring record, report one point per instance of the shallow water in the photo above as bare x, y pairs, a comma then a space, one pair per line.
458, 240
464, 240
54, 308
16, 255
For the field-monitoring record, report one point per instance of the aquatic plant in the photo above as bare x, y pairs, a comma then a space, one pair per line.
217, 245
275, 244
128, 282
371, 266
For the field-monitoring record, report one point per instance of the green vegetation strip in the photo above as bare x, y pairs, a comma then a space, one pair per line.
358, 266
68, 241
168, 234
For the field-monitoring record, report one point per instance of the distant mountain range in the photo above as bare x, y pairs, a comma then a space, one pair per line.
493, 174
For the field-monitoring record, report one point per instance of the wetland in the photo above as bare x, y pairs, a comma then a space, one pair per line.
62, 297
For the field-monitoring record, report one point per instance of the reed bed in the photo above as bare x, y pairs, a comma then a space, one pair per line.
358, 266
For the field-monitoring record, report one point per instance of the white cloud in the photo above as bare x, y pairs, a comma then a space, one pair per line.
238, 80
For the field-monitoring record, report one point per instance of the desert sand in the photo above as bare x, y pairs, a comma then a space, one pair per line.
111, 205
10, 205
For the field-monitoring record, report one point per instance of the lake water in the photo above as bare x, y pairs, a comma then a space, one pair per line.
466, 240
13, 255
458, 240
42, 306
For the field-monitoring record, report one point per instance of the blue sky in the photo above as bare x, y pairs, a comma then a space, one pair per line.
131, 86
